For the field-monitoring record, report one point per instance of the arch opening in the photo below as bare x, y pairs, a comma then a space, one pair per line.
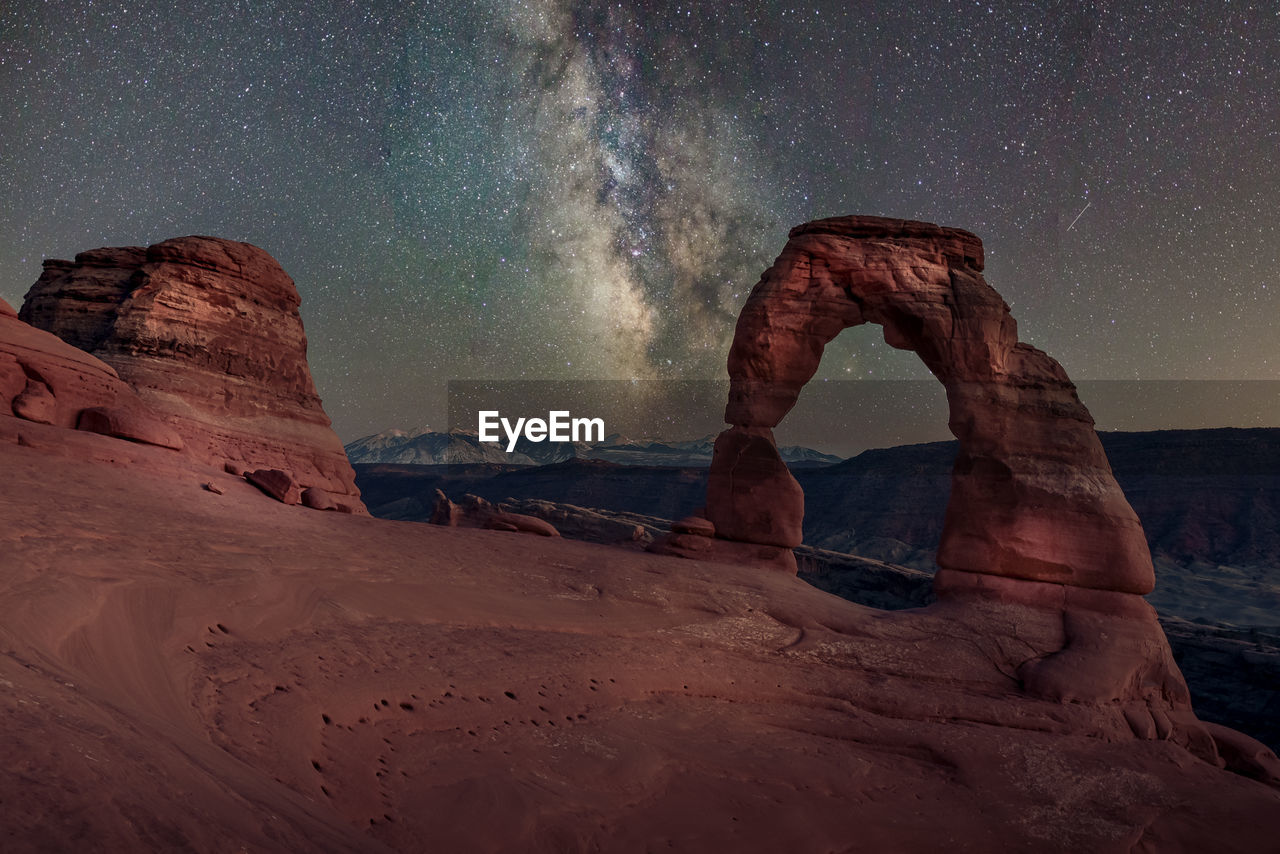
865, 395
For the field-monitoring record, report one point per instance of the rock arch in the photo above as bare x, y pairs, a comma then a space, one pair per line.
1032, 493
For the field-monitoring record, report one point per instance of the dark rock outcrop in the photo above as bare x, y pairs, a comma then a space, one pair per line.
591, 525
1234, 674
407, 492
208, 333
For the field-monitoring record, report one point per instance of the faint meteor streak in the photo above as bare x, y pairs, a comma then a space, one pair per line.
1077, 219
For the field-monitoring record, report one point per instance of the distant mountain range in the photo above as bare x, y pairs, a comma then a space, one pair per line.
425, 447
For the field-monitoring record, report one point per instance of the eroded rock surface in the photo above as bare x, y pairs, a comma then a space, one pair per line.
316, 682
128, 424
278, 484
1035, 518
1032, 493
472, 511
44, 380
208, 332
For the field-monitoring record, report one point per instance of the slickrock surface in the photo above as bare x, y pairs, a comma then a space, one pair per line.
1211, 490
251, 676
208, 332
1032, 494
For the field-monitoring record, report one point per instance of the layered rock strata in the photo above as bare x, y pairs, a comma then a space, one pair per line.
208, 333
1032, 493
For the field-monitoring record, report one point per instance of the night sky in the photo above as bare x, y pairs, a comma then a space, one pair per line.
561, 190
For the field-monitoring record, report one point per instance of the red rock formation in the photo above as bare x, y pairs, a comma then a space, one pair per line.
89, 291
694, 537
475, 512
751, 478
208, 332
45, 380
1032, 494
696, 525
128, 424
278, 484
317, 499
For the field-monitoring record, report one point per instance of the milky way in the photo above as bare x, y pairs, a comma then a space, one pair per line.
623, 192
560, 189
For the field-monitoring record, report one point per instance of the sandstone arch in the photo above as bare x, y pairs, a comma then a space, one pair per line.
1032, 493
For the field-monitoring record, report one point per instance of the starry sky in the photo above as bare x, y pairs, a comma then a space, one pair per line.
576, 189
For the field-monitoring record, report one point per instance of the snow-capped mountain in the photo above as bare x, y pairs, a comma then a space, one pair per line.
427, 447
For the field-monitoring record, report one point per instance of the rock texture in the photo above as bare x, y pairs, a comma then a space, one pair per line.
407, 492
278, 484
1234, 674
1032, 493
208, 332
1035, 519
128, 424
591, 525
44, 380
472, 511
317, 499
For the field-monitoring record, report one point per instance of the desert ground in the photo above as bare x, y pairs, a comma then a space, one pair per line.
191, 670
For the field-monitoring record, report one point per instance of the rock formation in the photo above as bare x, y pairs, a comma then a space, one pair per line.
128, 423
1032, 493
208, 333
278, 484
1035, 519
46, 381
475, 512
